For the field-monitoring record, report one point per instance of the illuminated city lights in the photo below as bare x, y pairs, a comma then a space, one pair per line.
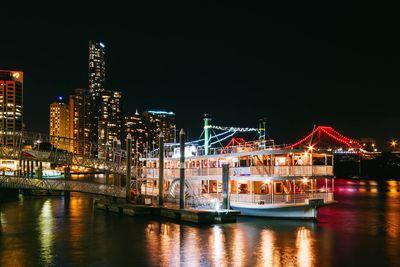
11, 109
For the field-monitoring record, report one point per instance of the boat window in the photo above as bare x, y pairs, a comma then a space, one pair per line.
278, 188
243, 163
318, 160
298, 160
235, 162
243, 189
280, 161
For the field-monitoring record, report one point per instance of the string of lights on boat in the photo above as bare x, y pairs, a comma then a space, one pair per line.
215, 138
353, 147
237, 129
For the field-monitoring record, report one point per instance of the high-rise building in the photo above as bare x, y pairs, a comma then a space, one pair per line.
97, 66
60, 124
110, 122
78, 121
97, 74
11, 106
160, 122
137, 128
145, 130
95, 113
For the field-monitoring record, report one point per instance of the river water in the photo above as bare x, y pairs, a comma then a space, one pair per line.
363, 229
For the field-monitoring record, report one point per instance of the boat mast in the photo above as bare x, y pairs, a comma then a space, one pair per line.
207, 126
261, 132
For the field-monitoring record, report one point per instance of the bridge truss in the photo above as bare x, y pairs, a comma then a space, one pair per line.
13, 182
67, 151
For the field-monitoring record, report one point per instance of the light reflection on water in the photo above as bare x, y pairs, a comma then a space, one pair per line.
266, 249
190, 251
238, 250
247, 243
216, 242
46, 224
46, 231
2, 221
304, 247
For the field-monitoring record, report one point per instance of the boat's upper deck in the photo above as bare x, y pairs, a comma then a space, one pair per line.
246, 161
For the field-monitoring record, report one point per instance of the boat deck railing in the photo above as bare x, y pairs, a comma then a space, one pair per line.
243, 172
263, 199
244, 147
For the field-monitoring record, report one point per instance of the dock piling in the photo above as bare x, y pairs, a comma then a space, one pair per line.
67, 178
128, 168
161, 170
225, 186
182, 170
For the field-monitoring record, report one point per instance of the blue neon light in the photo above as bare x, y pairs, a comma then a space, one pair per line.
158, 112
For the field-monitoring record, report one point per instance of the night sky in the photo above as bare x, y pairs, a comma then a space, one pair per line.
297, 64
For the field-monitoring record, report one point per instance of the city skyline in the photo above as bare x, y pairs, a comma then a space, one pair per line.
331, 67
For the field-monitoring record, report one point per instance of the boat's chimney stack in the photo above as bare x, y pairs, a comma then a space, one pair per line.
207, 126
261, 131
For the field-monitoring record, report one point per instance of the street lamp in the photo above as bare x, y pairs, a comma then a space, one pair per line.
393, 144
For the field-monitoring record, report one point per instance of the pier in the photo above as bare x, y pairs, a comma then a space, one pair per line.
195, 216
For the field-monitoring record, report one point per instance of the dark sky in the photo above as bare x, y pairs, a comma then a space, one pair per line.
297, 64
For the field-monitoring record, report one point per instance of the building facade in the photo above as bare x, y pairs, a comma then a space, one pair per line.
79, 130
59, 124
110, 123
11, 106
146, 128
96, 83
95, 118
160, 122
137, 128
97, 66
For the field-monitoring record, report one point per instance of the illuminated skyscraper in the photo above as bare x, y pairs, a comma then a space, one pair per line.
93, 104
137, 128
97, 66
160, 122
110, 122
11, 106
59, 124
95, 113
78, 105
145, 130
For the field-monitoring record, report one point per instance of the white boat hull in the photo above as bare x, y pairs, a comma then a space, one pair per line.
295, 211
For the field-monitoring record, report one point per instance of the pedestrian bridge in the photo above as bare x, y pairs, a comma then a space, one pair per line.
14, 182
37, 147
